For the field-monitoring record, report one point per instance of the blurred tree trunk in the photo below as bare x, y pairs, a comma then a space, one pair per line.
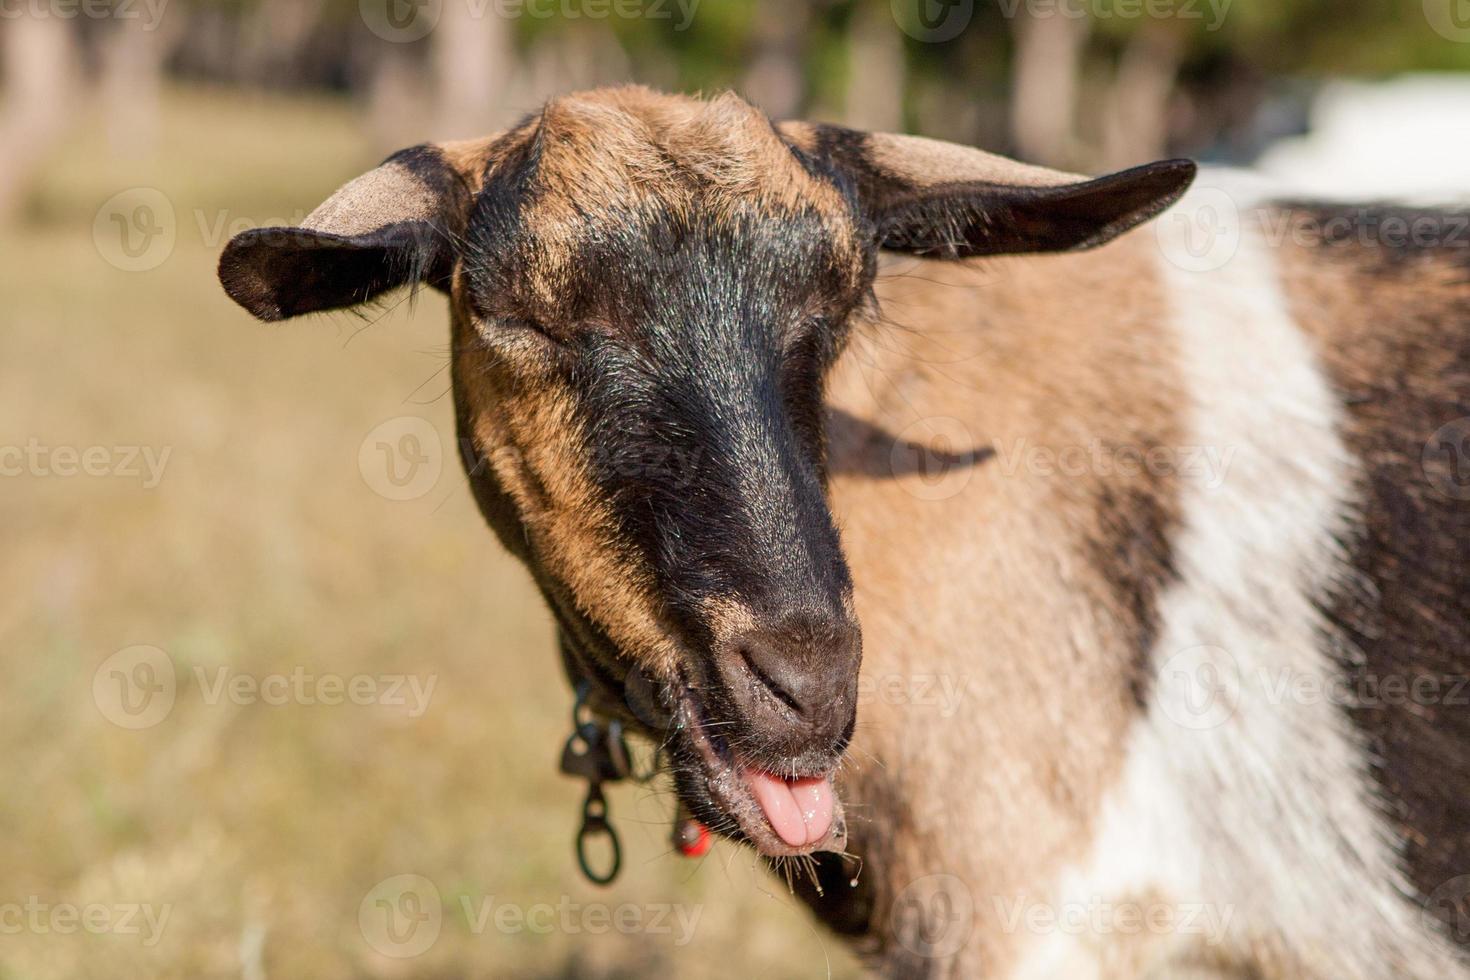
274, 38
952, 112
1045, 71
473, 66
397, 94
1136, 113
575, 58
775, 79
41, 69
876, 72
131, 83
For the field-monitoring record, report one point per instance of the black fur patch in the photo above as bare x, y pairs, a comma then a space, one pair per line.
1383, 237
1406, 621
1138, 523
696, 351
278, 273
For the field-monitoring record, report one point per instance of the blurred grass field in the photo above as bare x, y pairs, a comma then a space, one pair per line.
261, 828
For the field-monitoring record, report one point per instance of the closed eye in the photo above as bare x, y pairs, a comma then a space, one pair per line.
562, 335
524, 329
518, 323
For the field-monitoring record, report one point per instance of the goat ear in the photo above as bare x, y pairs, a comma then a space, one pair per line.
940, 199
391, 227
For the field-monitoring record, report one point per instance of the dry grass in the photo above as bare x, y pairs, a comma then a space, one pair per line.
261, 828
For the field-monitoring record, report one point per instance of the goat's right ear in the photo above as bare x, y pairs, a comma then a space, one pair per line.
393, 226
943, 200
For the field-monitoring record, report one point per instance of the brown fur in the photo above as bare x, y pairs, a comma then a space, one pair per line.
616, 151
525, 430
471, 158
923, 162
997, 347
948, 588
951, 586
626, 150
621, 149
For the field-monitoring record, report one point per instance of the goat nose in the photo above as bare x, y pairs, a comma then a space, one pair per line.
801, 676
798, 686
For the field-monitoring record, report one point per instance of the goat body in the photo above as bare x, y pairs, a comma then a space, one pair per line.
1158, 541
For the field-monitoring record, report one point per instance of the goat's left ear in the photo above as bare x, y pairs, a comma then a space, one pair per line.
940, 199
393, 226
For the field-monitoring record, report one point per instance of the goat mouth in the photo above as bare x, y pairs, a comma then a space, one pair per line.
779, 816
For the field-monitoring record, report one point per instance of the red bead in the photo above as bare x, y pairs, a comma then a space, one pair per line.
694, 839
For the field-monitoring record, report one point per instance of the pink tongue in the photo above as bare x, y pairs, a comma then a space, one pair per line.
799, 810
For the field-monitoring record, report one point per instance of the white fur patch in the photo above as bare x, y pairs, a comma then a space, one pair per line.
1245, 796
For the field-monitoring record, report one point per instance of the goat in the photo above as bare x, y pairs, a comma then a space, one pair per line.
731, 388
